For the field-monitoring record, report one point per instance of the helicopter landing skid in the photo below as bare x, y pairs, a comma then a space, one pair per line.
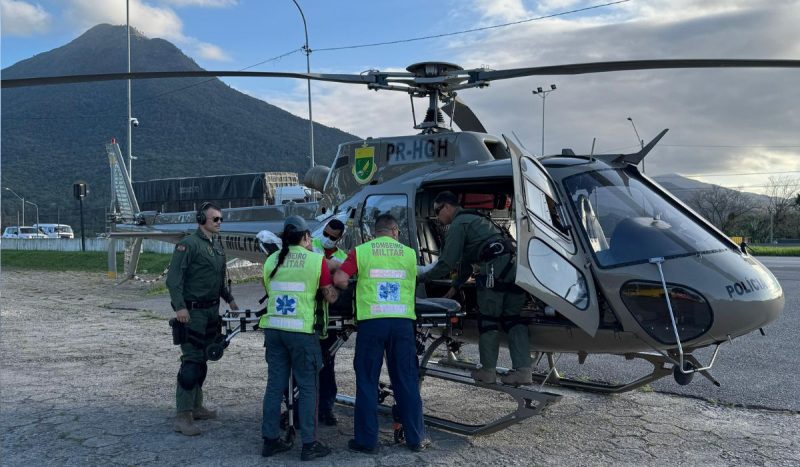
530, 402
662, 367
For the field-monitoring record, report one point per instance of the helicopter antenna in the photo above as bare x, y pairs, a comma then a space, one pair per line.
591, 153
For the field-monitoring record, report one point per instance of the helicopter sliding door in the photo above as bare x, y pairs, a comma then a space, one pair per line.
549, 265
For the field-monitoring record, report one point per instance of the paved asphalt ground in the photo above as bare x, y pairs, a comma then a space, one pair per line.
88, 373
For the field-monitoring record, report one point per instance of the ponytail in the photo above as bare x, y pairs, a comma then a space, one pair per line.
290, 237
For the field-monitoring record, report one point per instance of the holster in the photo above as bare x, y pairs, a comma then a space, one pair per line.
179, 334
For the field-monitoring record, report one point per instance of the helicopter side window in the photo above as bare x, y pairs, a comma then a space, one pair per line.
375, 205
541, 201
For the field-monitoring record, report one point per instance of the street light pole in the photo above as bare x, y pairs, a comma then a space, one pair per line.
37, 212
640, 140
543, 94
307, 51
23, 205
130, 119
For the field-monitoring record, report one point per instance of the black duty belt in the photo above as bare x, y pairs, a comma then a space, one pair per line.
192, 304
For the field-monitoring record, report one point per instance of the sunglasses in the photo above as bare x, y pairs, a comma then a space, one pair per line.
437, 210
332, 237
216, 219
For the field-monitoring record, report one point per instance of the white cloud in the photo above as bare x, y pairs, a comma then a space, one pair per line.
211, 52
152, 21
18, 18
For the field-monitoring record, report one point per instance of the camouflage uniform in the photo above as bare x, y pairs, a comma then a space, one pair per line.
466, 237
196, 280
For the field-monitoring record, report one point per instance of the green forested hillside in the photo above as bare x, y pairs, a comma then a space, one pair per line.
53, 136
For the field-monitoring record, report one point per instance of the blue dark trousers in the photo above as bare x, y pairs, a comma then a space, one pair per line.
299, 353
327, 376
394, 338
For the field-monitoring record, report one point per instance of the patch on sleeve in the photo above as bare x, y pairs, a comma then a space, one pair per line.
180, 247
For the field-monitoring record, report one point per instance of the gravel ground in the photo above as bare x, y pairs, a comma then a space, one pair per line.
86, 383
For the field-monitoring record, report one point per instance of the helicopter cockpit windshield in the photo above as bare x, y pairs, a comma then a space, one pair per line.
626, 221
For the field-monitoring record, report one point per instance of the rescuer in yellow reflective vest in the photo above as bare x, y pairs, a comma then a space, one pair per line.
292, 278
327, 245
385, 291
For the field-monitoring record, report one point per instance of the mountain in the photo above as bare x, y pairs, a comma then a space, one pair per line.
686, 189
53, 136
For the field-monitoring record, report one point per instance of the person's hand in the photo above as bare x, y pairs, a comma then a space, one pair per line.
451, 293
182, 315
233, 305
333, 264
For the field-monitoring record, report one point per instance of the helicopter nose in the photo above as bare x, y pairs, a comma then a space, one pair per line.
751, 298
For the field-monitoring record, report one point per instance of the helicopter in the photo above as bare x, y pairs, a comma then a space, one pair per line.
612, 263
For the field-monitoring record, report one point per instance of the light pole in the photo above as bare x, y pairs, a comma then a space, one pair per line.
130, 119
23, 205
37, 212
543, 94
638, 139
307, 51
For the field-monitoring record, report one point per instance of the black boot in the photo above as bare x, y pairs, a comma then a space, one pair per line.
274, 446
314, 450
328, 418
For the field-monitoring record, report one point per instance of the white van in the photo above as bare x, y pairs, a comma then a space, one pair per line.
292, 194
23, 232
56, 230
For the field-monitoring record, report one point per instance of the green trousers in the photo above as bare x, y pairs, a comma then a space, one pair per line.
199, 321
498, 304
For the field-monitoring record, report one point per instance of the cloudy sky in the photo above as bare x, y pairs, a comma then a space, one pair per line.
733, 127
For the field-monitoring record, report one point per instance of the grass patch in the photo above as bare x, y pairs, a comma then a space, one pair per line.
90, 261
771, 250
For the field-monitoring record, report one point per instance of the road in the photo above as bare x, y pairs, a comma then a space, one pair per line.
88, 378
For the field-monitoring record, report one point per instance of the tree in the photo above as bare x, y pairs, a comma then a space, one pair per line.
722, 206
783, 196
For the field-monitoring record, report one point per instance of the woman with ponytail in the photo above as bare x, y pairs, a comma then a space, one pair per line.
291, 279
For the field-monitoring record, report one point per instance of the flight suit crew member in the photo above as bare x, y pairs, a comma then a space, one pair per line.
466, 242
196, 281
385, 314
292, 278
334, 256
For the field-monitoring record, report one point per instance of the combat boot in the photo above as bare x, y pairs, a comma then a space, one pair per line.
484, 375
518, 377
184, 423
202, 413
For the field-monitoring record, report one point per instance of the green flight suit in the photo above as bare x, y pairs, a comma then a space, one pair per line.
465, 238
197, 274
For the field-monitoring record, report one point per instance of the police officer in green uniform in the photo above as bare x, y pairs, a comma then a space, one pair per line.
292, 278
385, 313
327, 245
473, 239
196, 281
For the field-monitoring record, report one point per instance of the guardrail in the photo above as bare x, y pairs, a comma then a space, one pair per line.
74, 244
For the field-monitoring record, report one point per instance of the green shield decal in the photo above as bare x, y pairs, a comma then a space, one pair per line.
365, 167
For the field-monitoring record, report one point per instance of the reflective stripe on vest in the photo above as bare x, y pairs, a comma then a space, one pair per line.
292, 291
387, 278
316, 245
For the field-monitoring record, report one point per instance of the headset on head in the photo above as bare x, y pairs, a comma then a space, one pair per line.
201, 213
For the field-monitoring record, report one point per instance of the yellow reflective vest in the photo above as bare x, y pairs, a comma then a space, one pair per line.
387, 279
292, 291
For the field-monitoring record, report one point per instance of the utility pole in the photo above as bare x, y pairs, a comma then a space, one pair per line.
130, 119
543, 94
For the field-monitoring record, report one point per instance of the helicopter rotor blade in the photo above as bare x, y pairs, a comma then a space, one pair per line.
605, 67
464, 117
365, 78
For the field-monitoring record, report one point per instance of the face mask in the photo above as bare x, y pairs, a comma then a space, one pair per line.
327, 243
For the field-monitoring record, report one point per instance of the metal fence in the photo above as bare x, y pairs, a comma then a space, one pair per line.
74, 244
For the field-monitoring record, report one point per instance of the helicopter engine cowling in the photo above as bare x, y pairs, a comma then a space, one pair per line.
316, 176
